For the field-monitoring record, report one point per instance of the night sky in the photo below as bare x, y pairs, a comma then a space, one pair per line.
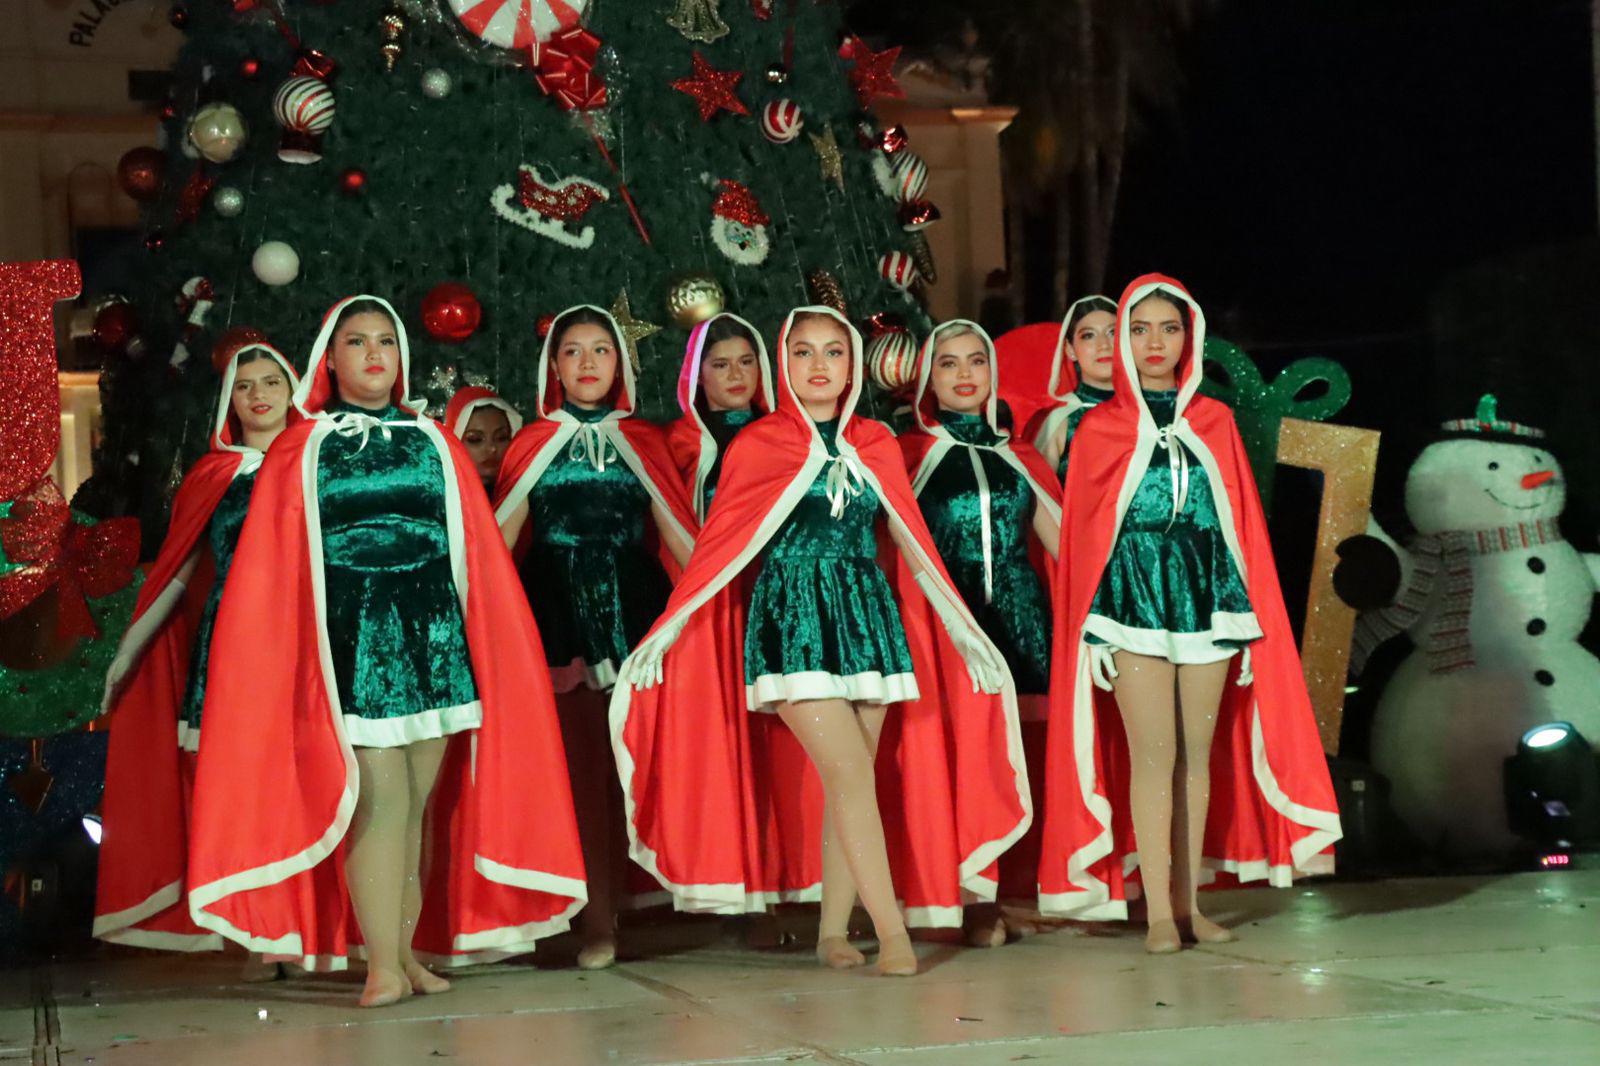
1328, 164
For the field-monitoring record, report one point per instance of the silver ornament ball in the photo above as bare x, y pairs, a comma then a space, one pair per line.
436, 84
227, 201
777, 74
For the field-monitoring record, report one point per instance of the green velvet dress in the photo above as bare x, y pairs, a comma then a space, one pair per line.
823, 622
592, 579
1091, 397
724, 426
1015, 610
395, 629
222, 535
1171, 589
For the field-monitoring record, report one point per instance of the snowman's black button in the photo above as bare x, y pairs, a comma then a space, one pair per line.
1536, 564
1535, 627
1544, 677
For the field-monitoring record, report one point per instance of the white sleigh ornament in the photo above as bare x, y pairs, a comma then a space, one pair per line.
549, 206
1493, 597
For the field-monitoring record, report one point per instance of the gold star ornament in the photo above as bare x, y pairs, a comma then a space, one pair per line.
633, 329
828, 156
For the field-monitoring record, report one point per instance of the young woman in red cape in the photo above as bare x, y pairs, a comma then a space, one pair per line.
158, 677
1209, 762
377, 695
913, 807
485, 423
994, 509
1080, 377
726, 384
591, 503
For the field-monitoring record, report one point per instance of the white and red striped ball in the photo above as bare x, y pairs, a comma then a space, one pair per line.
304, 104
892, 359
898, 269
781, 121
910, 176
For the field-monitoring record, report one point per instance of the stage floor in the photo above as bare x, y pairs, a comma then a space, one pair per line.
1447, 970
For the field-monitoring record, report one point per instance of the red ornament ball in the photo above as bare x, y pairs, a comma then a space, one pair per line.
543, 324
353, 182
249, 67
451, 312
140, 172
169, 111
115, 325
232, 339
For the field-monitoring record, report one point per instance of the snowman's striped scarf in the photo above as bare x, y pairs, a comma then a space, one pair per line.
1442, 562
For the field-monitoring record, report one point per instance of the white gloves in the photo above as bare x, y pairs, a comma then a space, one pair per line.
121, 667
984, 665
132, 648
1246, 673
645, 667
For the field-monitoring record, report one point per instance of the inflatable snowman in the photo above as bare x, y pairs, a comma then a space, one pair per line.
1494, 599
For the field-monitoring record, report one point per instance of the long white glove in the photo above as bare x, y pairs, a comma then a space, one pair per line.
984, 666
645, 668
129, 653
1102, 665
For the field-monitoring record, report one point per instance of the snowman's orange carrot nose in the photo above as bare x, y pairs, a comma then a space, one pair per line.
1537, 478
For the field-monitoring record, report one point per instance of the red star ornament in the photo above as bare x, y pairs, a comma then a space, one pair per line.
873, 73
712, 89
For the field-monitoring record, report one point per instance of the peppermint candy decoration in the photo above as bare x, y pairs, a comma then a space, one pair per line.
781, 121
520, 25
892, 359
304, 108
899, 270
910, 176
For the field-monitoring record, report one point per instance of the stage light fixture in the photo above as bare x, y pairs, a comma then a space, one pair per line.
1552, 792
92, 826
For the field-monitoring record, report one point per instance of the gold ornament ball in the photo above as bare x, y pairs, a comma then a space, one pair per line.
693, 298
217, 131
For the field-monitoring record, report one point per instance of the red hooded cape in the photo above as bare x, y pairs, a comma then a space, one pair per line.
145, 807
694, 450
1063, 380
925, 445
722, 804
467, 399
1272, 813
278, 779
640, 445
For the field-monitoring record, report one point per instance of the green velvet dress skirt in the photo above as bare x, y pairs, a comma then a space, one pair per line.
1013, 607
1171, 589
1090, 397
222, 535
823, 622
395, 629
593, 581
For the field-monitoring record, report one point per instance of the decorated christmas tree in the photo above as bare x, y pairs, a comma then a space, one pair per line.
484, 164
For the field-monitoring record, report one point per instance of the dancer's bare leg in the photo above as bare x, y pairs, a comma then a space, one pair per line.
1145, 688
422, 765
1199, 696
375, 868
838, 901
838, 747
591, 767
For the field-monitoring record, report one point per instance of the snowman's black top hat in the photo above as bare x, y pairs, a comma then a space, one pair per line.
1486, 424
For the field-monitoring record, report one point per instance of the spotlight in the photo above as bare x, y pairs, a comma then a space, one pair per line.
1552, 791
92, 826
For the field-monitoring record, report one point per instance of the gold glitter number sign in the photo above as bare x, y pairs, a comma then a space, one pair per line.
1348, 459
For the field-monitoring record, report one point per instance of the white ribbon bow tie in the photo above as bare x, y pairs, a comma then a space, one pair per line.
591, 445
1177, 463
358, 424
845, 481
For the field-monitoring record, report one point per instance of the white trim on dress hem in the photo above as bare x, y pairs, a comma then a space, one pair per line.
769, 690
411, 728
1186, 649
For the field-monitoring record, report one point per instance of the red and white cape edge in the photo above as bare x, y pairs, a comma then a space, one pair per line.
694, 450
723, 807
140, 897
1272, 816
277, 779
